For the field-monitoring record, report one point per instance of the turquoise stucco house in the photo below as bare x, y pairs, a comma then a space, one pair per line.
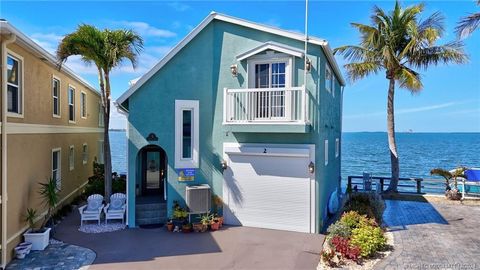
241, 107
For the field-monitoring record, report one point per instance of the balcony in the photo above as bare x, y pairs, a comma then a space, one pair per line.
266, 110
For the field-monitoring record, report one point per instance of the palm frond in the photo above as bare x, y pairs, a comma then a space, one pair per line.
434, 55
361, 70
467, 25
409, 79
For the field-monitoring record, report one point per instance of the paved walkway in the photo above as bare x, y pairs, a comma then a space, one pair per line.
57, 256
432, 236
229, 248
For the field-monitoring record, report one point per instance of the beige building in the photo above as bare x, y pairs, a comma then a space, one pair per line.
50, 127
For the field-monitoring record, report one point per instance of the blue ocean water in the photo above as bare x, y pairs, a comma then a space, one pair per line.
368, 152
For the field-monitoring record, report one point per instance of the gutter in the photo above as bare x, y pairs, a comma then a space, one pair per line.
4, 196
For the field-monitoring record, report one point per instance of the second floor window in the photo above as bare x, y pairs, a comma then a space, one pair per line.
71, 104
83, 105
270, 75
56, 96
14, 84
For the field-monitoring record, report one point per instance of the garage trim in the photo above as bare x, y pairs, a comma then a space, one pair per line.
280, 150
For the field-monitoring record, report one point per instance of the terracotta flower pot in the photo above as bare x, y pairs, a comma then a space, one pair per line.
220, 220
197, 227
170, 227
186, 228
214, 225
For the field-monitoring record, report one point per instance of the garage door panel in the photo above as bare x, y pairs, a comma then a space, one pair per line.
268, 192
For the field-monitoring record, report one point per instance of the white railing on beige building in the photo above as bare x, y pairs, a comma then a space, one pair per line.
265, 105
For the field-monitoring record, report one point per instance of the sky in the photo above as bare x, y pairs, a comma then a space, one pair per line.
449, 102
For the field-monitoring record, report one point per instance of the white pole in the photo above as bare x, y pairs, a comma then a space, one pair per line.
305, 64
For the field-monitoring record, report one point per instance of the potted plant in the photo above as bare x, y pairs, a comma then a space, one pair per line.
217, 207
179, 215
170, 225
205, 221
40, 237
197, 227
451, 194
187, 227
214, 223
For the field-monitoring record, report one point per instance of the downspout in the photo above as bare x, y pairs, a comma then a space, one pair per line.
4, 196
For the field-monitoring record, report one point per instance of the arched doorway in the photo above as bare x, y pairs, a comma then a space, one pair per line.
153, 171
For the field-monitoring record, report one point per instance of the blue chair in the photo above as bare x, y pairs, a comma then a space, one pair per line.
472, 178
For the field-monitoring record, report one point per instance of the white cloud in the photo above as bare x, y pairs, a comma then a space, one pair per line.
405, 111
47, 41
145, 29
178, 6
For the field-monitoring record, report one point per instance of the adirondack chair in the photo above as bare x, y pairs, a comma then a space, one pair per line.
116, 208
93, 209
472, 180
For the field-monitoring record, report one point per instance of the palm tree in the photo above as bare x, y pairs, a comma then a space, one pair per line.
468, 24
106, 49
399, 42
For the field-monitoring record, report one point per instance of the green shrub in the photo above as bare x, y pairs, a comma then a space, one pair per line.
369, 239
353, 220
370, 204
339, 229
96, 182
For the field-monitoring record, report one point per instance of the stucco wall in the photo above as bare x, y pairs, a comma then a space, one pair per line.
200, 71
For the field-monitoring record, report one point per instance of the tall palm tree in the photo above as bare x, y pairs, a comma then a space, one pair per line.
468, 24
399, 42
106, 49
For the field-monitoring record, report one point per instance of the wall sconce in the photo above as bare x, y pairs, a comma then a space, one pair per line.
311, 167
308, 65
224, 164
234, 70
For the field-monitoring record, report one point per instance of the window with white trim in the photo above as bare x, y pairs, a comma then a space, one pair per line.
71, 103
326, 152
334, 81
56, 97
14, 84
83, 105
101, 121
84, 153
71, 157
337, 147
56, 166
100, 152
328, 78
186, 133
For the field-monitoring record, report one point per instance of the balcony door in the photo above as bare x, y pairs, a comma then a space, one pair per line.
270, 104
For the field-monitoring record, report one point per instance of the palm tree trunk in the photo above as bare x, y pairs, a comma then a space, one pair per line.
107, 158
392, 187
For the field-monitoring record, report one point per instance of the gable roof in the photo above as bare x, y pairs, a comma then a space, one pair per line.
271, 45
222, 17
27, 43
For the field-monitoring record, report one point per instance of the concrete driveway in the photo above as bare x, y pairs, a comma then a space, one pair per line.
229, 248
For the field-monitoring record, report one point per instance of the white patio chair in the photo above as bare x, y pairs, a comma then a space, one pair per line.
116, 208
93, 209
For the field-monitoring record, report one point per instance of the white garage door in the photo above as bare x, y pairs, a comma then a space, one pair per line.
269, 187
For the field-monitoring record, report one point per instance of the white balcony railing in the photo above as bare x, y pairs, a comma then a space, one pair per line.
265, 105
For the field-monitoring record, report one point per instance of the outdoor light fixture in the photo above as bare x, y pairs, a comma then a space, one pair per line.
233, 69
311, 167
308, 65
224, 164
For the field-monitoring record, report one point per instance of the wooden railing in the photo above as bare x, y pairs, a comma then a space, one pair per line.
271, 105
405, 185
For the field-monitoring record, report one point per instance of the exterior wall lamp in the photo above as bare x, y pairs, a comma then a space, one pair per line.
308, 65
224, 164
311, 167
234, 70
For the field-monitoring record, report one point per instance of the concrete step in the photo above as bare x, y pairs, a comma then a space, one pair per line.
151, 206
146, 221
150, 213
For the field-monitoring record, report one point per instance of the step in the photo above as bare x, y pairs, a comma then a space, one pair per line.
150, 213
146, 221
151, 206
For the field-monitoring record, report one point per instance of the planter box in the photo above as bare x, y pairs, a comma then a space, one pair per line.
39, 240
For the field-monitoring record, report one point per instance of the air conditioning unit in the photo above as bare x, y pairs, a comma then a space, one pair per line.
198, 198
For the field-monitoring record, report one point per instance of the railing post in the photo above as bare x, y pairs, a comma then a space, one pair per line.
419, 185
349, 183
381, 184
225, 105
304, 104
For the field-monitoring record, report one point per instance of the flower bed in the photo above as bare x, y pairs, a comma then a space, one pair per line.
357, 239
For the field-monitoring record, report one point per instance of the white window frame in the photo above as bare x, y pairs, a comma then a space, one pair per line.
70, 104
101, 154
337, 147
59, 115
71, 157
334, 82
180, 106
101, 121
84, 153
328, 79
59, 168
326, 152
21, 90
83, 105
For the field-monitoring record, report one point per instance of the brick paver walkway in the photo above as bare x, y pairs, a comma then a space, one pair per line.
432, 236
